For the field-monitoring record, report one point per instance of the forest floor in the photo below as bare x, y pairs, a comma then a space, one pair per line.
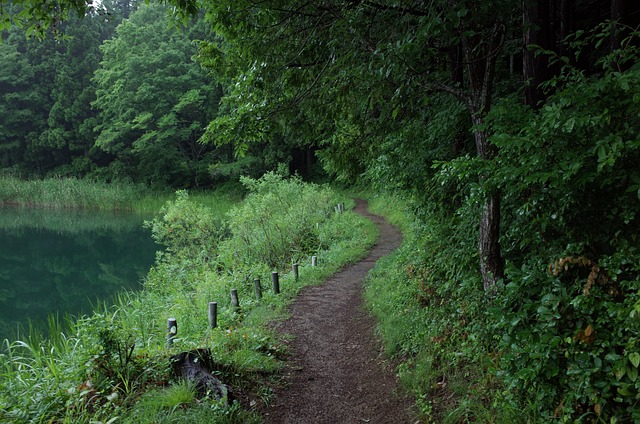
337, 371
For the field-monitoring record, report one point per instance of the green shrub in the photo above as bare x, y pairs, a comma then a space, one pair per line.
277, 224
567, 315
187, 230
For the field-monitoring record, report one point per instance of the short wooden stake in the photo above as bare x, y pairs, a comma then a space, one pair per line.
276, 282
314, 261
213, 314
258, 288
172, 331
294, 268
235, 302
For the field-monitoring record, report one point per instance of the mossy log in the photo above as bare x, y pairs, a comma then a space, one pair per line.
195, 366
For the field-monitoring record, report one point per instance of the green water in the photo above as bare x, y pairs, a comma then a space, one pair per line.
64, 261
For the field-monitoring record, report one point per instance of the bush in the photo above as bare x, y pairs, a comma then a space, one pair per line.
187, 230
277, 224
569, 176
570, 337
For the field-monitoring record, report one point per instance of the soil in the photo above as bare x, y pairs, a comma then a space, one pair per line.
337, 372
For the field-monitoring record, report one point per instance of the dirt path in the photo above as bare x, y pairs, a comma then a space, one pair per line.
337, 373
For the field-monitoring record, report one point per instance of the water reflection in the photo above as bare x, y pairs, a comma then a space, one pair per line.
63, 261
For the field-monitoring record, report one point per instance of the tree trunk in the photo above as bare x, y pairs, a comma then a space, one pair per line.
491, 262
567, 23
545, 24
625, 15
480, 52
480, 72
537, 31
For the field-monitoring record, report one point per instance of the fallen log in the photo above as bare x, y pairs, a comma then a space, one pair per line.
194, 366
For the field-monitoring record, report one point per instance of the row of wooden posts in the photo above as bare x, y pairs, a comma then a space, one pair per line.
172, 323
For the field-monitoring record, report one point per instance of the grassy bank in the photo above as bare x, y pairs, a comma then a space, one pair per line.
114, 366
69, 193
75, 193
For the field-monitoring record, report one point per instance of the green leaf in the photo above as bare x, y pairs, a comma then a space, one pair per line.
602, 153
634, 358
624, 391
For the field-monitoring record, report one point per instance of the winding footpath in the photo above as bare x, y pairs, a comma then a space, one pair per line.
337, 372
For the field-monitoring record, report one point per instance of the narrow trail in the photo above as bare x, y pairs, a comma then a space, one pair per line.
337, 372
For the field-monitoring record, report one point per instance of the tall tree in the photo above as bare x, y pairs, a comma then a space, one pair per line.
154, 101
47, 92
69, 136
27, 74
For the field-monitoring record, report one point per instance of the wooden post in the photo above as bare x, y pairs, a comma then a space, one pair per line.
172, 331
294, 268
235, 302
258, 288
314, 261
213, 314
276, 282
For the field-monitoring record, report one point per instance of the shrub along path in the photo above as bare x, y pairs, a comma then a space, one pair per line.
337, 372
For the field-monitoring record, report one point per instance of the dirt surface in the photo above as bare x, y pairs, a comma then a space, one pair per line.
337, 372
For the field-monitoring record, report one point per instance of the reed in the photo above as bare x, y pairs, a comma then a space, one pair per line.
76, 193
69, 192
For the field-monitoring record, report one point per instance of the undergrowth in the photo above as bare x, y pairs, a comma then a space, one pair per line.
431, 315
556, 343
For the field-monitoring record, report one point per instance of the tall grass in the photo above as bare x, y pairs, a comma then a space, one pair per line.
114, 364
71, 192
69, 221
68, 193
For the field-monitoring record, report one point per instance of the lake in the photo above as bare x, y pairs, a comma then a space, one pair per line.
65, 261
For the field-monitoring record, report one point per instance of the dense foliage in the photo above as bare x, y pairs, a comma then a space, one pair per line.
542, 194
117, 97
154, 102
572, 219
558, 337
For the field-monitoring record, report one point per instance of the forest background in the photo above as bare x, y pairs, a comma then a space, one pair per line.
510, 129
